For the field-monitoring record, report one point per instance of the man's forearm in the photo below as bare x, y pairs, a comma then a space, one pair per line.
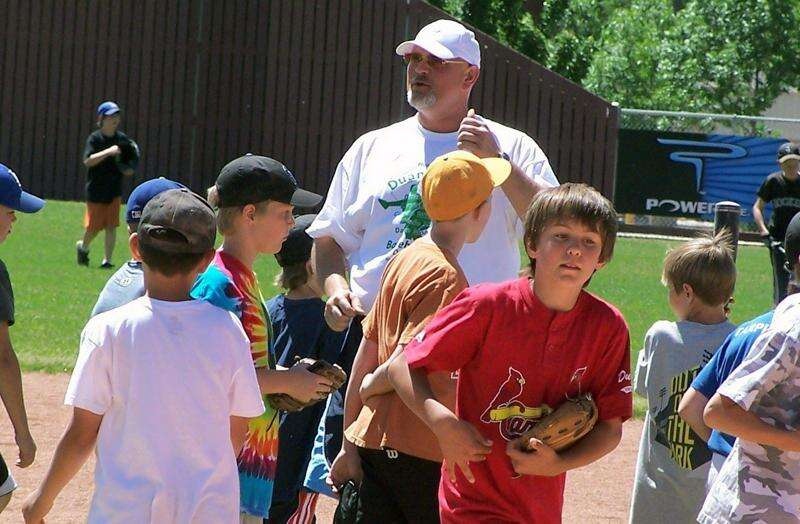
725, 415
329, 265
520, 190
11, 391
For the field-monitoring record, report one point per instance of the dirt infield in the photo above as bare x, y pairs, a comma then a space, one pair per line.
598, 493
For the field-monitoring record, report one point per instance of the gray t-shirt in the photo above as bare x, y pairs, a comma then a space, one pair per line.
6, 296
126, 285
762, 483
673, 461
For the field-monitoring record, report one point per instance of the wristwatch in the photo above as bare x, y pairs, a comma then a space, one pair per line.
504, 156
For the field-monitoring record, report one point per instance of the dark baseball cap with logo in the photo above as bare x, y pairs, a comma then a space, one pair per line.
788, 151
178, 221
297, 246
251, 179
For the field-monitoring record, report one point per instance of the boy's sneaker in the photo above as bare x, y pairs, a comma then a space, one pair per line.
83, 254
106, 264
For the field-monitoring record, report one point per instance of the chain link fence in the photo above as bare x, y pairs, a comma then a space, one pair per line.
705, 123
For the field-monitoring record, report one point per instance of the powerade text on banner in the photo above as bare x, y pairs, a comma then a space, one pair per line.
685, 174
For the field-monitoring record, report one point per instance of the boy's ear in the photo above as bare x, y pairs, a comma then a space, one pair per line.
309, 268
249, 211
687, 290
133, 244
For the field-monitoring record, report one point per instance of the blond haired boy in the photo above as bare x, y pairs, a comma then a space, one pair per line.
255, 197
673, 462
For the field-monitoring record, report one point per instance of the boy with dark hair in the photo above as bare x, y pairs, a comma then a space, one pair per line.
254, 197
521, 348
757, 404
388, 448
127, 283
300, 330
12, 199
109, 156
163, 388
673, 462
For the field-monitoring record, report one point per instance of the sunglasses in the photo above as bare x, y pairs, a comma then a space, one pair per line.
432, 61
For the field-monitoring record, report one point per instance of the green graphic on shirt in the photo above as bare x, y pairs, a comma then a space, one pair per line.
686, 448
414, 218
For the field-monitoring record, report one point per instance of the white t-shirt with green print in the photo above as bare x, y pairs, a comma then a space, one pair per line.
373, 209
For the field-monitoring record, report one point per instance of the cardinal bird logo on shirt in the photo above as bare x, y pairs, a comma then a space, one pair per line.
513, 417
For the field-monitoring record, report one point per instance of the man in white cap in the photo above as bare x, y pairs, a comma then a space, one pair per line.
373, 209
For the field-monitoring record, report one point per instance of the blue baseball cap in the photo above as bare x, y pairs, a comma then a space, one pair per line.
142, 194
12, 195
107, 109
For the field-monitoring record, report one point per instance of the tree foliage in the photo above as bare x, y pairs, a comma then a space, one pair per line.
726, 56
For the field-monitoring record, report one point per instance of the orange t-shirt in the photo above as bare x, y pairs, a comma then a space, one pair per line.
417, 282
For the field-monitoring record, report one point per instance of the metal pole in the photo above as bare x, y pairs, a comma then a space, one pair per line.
726, 216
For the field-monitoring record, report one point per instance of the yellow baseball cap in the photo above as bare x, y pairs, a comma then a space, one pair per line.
458, 182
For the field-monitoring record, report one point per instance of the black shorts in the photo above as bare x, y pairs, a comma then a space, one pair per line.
7, 484
397, 488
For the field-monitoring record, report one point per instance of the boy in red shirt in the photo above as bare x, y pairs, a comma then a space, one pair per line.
521, 348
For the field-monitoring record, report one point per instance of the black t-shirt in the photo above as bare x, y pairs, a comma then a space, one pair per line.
6, 296
104, 181
785, 198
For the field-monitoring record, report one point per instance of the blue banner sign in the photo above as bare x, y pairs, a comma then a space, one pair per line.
685, 174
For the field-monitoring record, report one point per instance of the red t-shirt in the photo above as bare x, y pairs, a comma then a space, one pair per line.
517, 360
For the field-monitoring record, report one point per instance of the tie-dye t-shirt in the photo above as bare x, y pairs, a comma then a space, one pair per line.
229, 284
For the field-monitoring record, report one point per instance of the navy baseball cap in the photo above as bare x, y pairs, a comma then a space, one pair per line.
297, 246
107, 108
142, 194
12, 195
251, 179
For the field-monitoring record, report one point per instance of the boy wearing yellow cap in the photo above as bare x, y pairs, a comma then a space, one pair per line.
393, 455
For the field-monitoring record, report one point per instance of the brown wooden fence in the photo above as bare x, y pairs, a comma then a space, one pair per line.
203, 81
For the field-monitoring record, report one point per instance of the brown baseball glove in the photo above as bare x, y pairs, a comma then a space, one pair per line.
333, 372
566, 425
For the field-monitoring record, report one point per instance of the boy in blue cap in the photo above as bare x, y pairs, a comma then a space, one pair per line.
12, 199
109, 156
127, 283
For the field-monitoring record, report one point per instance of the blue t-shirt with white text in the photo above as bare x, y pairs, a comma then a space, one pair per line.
727, 358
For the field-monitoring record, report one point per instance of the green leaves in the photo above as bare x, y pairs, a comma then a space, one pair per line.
721, 56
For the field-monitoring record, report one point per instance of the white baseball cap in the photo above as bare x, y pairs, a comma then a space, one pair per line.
447, 40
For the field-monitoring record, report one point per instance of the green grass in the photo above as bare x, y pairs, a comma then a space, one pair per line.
54, 296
